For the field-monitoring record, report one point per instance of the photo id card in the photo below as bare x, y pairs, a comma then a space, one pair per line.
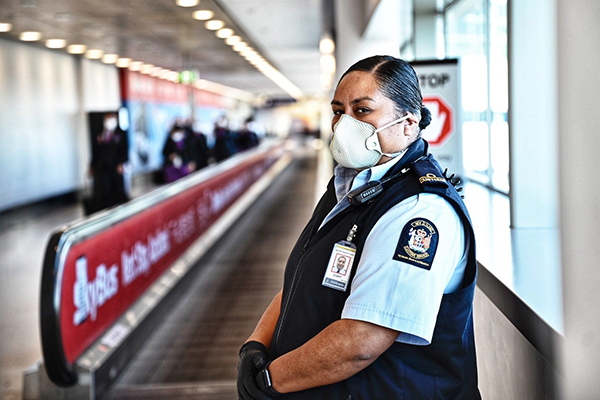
339, 266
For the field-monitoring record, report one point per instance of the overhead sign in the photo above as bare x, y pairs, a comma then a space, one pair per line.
440, 86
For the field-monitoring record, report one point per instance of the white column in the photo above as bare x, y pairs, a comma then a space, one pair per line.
349, 23
426, 30
578, 59
425, 37
364, 30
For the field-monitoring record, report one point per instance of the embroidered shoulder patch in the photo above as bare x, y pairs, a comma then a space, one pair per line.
418, 243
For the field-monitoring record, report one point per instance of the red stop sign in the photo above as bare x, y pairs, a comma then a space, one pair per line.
442, 120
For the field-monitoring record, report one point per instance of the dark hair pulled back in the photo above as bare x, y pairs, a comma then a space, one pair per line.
398, 82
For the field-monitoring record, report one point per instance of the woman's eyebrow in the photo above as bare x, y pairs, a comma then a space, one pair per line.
362, 99
339, 103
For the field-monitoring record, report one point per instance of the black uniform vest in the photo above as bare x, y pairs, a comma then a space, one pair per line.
445, 369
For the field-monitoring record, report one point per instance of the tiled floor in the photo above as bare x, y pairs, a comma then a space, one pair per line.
23, 238
22, 245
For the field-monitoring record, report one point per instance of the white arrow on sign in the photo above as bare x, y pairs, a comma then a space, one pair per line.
438, 119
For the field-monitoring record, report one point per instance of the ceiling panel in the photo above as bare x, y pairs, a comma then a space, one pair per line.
286, 32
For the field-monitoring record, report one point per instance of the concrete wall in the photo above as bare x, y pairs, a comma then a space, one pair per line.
44, 145
38, 123
509, 366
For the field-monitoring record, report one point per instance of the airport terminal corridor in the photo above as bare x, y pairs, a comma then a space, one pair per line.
159, 159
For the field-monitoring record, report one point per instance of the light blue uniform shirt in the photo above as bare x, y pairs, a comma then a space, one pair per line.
391, 293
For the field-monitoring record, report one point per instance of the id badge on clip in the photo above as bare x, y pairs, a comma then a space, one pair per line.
341, 261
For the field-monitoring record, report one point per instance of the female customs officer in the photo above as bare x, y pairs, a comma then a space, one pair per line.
396, 321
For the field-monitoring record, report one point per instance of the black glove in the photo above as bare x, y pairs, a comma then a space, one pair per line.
253, 358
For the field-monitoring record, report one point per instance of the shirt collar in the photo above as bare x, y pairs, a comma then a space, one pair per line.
347, 179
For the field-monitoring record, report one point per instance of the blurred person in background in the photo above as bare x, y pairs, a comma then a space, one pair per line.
198, 144
224, 140
178, 155
110, 153
247, 138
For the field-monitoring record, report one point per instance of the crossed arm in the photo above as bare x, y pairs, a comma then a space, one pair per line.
339, 351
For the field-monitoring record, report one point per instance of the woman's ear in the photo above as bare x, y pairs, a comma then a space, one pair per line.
411, 126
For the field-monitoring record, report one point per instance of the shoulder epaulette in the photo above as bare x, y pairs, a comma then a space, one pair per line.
429, 174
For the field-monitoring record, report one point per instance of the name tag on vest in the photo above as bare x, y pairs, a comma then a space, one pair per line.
339, 267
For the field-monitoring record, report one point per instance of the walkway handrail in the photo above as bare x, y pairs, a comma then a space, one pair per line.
96, 268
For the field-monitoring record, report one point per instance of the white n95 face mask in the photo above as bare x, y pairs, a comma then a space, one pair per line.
355, 144
178, 136
110, 124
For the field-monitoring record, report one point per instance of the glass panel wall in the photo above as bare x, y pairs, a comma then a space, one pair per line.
498, 94
475, 32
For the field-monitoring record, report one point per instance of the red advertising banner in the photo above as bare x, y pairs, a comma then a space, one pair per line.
207, 99
136, 86
106, 273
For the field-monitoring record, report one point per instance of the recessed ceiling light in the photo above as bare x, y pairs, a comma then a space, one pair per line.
253, 56
326, 46
155, 71
76, 48
224, 33
110, 58
327, 62
5, 27
203, 15
56, 43
30, 36
214, 24
187, 3
174, 77
94, 54
136, 66
240, 46
123, 62
147, 68
231, 40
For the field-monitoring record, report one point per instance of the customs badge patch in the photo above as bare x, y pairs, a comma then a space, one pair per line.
418, 243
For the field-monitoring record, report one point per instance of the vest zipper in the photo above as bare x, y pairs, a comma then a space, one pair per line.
286, 302
284, 307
